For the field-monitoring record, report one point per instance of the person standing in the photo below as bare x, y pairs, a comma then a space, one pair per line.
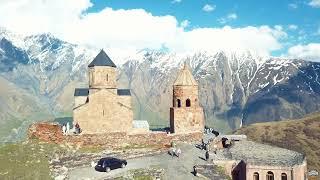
178, 152
202, 144
68, 128
207, 155
77, 128
195, 172
64, 129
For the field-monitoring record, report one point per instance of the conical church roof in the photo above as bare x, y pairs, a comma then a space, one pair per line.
102, 59
185, 77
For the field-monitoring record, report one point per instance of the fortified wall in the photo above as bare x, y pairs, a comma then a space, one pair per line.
51, 132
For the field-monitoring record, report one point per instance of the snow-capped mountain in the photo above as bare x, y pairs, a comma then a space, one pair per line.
40, 72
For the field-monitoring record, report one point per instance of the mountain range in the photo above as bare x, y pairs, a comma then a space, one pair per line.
38, 74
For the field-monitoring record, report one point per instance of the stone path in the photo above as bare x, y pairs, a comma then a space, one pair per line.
175, 168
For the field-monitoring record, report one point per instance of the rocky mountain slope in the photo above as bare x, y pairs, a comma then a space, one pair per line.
301, 135
41, 72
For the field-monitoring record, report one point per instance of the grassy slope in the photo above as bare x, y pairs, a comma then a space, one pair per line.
27, 160
301, 135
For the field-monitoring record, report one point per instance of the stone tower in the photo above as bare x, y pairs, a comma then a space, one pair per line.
102, 73
186, 115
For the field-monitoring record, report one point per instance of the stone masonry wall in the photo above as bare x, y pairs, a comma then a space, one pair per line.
104, 113
185, 92
184, 120
53, 133
102, 77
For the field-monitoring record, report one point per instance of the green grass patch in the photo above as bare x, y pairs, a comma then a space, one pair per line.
27, 160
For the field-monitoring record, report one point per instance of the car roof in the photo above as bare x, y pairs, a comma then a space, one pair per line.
110, 158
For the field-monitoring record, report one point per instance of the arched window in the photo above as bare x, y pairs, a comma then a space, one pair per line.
270, 175
188, 103
107, 77
283, 176
179, 102
255, 176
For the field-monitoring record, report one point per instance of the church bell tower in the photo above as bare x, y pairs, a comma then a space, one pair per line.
186, 114
102, 73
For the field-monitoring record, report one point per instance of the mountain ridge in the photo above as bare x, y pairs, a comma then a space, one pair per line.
235, 88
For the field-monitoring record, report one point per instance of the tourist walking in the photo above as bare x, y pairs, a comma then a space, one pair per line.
178, 152
195, 172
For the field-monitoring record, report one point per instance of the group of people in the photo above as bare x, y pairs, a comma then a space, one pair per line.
175, 152
208, 130
66, 129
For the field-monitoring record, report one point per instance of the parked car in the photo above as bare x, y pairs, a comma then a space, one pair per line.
109, 163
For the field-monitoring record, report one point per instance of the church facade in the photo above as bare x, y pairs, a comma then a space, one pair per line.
186, 114
103, 108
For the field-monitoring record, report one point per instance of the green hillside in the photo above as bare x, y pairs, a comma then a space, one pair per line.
301, 135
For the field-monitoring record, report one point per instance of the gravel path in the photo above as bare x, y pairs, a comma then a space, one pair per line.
175, 168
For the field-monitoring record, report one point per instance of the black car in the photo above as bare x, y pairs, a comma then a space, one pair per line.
109, 163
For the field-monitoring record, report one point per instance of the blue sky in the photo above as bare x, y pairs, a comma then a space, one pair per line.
250, 12
268, 27
300, 20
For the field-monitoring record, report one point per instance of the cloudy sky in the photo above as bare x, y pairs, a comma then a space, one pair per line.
269, 27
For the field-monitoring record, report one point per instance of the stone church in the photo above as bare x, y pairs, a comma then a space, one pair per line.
103, 108
186, 115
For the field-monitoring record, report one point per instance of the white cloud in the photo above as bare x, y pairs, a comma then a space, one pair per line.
308, 52
209, 8
293, 6
293, 27
315, 3
185, 23
228, 18
176, 1
262, 39
122, 32
278, 27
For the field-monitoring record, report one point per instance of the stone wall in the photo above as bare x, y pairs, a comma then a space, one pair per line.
263, 170
183, 93
105, 112
185, 119
48, 132
79, 100
53, 133
188, 119
102, 77
297, 172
